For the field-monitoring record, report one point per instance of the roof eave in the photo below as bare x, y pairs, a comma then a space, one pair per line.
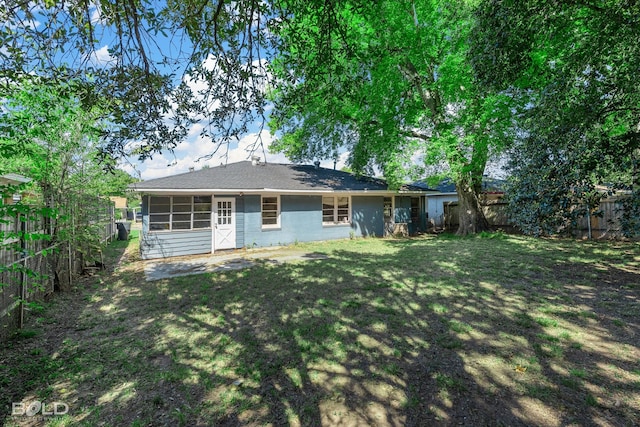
169, 191
440, 193
14, 178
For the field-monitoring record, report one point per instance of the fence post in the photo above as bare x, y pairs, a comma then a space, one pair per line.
588, 222
70, 265
23, 292
21, 226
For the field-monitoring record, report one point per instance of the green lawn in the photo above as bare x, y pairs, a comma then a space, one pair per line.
489, 330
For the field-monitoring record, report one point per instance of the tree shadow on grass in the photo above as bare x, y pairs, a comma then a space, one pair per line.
367, 337
394, 332
40, 362
538, 327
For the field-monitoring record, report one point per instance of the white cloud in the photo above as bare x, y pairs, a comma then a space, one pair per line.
191, 152
418, 156
101, 57
96, 15
258, 69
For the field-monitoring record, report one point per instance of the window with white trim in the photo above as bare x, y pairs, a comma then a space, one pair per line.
270, 211
179, 212
336, 210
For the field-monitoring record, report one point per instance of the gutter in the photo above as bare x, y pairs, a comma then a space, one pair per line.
191, 191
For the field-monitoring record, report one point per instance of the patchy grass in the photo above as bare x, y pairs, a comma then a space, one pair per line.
490, 330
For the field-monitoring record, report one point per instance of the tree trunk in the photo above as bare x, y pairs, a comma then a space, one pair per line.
471, 219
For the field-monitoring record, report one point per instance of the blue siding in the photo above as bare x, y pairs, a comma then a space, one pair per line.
435, 207
252, 219
403, 209
301, 221
164, 244
367, 216
239, 222
145, 205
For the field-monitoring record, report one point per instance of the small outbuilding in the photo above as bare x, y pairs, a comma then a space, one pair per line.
255, 204
12, 179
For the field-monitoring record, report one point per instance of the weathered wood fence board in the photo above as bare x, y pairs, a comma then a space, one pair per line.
51, 266
605, 225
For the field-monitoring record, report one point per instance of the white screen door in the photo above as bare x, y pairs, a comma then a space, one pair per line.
225, 224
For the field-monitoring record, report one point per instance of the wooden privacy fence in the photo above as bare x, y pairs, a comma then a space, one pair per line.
495, 212
36, 267
605, 225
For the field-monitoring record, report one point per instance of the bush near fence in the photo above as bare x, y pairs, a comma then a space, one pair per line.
35, 268
603, 225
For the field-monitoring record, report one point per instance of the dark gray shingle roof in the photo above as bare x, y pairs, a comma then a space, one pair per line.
246, 176
489, 185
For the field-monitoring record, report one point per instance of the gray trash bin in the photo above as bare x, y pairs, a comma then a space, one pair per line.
123, 230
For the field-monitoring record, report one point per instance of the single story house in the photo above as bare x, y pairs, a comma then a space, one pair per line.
255, 204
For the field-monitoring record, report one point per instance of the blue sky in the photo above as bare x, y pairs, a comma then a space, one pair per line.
191, 152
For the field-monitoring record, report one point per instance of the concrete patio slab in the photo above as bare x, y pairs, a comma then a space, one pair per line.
229, 261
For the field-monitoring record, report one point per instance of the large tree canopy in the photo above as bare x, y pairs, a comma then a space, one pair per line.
389, 80
155, 68
574, 68
382, 79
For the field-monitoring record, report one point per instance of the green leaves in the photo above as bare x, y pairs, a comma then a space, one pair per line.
390, 84
574, 61
383, 77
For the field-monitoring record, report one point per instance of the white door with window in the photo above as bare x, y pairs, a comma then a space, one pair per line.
224, 230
